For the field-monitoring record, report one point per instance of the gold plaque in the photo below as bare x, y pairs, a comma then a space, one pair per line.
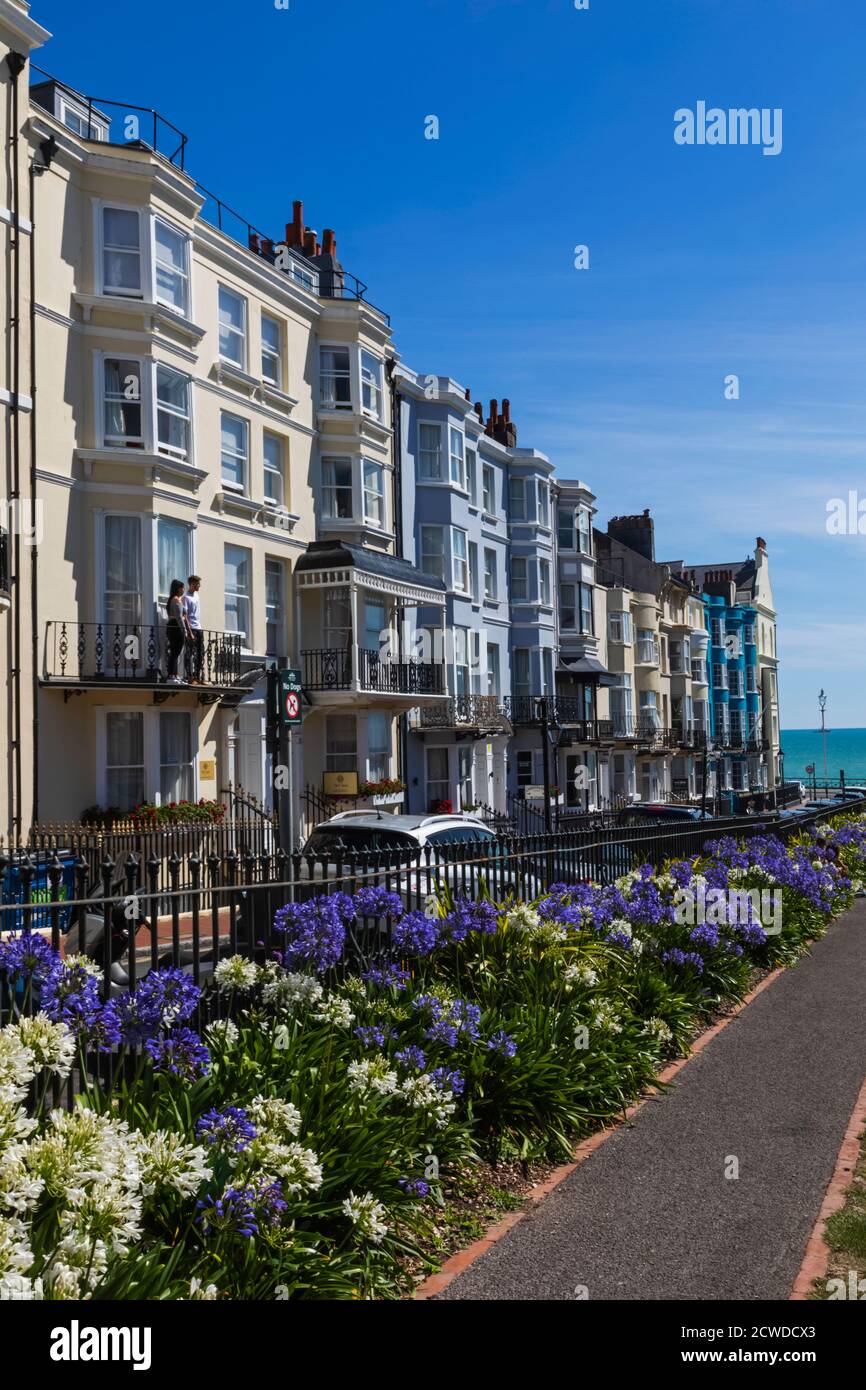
340, 783
207, 769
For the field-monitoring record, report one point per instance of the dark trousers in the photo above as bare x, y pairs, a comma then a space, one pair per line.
173, 648
195, 655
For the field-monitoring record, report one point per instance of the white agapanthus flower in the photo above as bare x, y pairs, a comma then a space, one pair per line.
79, 1148
279, 1119
337, 1011
637, 947
291, 993
372, 1076
19, 1190
106, 1212
657, 1028
17, 1066
79, 962
236, 972
422, 1093
522, 918
222, 1034
621, 926
169, 1163
579, 975
665, 881
52, 1044
606, 1018
15, 1125
16, 1257
297, 1168
367, 1215
202, 1293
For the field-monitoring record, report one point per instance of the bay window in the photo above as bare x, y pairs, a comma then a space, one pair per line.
543, 499
173, 423
121, 252
337, 498
517, 499
647, 647
430, 452
432, 550
335, 379
456, 461
619, 628
234, 452
544, 582
584, 532
649, 712
374, 494
519, 578
233, 327
171, 252
471, 475
565, 528
459, 561
123, 414
371, 384
621, 706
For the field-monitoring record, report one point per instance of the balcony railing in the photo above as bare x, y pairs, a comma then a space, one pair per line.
100, 119
133, 653
562, 711
329, 668
464, 711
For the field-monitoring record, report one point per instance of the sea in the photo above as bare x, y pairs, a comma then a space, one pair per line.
846, 750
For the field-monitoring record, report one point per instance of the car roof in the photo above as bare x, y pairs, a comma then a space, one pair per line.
369, 820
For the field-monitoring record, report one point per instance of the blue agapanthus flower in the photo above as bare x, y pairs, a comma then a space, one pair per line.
28, 957
503, 1043
182, 1053
229, 1129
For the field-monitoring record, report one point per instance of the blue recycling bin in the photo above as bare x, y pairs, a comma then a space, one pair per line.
12, 891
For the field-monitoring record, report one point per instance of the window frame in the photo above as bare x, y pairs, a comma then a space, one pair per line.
157, 220
491, 572
269, 471
244, 633
331, 490
242, 489
523, 596
272, 354
488, 474
367, 492
374, 383
243, 332
335, 376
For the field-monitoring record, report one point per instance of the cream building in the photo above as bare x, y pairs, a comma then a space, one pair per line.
204, 394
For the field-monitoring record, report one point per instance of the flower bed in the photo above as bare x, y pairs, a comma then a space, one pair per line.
292, 1149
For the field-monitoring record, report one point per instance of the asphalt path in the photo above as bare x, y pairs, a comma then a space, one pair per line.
655, 1212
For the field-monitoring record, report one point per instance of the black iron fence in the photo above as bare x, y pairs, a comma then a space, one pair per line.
135, 652
329, 668
105, 120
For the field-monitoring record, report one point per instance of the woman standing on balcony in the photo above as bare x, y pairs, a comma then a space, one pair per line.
176, 631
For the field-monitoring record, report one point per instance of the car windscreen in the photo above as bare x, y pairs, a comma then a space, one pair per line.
357, 839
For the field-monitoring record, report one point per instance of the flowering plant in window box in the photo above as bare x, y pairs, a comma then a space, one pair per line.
178, 813
383, 787
441, 808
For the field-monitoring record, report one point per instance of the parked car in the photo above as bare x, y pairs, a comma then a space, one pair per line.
404, 840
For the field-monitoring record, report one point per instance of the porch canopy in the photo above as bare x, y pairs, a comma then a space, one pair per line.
368, 569
585, 668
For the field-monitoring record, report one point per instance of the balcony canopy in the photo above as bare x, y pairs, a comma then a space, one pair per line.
327, 562
585, 668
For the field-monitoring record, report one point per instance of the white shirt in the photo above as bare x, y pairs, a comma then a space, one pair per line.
192, 603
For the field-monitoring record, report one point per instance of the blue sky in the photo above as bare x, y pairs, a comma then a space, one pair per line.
556, 129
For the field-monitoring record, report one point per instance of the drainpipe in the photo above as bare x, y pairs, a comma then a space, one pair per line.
34, 583
16, 63
397, 503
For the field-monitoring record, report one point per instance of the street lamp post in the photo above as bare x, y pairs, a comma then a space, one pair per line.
822, 705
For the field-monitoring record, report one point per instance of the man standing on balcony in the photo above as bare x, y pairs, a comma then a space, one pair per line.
195, 648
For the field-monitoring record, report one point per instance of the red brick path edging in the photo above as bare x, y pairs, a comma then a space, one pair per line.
456, 1265
816, 1259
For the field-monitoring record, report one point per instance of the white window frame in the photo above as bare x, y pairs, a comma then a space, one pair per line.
523, 581
491, 572
151, 751
330, 490
334, 375
488, 493
161, 595
542, 503
101, 206
471, 473
545, 591
457, 457
242, 489
244, 633
370, 518
513, 485
184, 273
459, 562
269, 472
271, 355
439, 475
148, 441
371, 384
384, 754
169, 451
474, 582
273, 562
439, 567
242, 332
